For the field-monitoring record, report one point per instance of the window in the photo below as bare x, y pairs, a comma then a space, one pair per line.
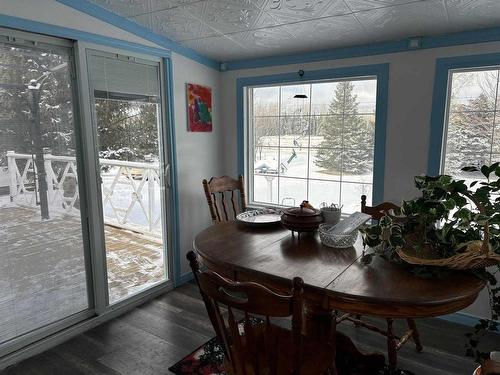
471, 128
313, 141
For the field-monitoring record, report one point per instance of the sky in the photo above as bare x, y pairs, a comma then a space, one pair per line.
320, 94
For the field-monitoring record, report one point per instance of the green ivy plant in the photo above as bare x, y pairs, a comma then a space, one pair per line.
441, 223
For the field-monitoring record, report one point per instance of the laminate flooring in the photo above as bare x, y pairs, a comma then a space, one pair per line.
154, 336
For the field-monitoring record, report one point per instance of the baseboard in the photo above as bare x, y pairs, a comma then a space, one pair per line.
461, 318
185, 278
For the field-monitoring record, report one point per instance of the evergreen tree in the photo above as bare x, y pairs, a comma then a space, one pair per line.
127, 130
348, 137
469, 137
17, 67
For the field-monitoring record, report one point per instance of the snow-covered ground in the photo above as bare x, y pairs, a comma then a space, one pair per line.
291, 187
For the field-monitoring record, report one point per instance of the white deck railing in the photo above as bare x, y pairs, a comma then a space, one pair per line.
130, 190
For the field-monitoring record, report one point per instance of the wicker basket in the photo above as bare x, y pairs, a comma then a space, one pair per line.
472, 257
476, 254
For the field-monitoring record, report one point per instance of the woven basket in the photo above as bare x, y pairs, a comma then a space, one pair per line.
472, 257
475, 254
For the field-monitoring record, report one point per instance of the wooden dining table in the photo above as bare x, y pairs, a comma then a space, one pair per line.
334, 279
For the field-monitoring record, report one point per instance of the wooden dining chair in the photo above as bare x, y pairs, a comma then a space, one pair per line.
222, 195
394, 343
378, 211
252, 343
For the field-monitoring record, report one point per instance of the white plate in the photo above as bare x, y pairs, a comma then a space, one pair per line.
260, 217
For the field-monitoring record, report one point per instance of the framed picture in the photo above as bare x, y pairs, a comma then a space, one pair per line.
199, 102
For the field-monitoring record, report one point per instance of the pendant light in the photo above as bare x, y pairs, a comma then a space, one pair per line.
300, 95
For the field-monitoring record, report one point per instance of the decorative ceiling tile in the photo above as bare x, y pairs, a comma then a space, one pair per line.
473, 13
220, 48
130, 8
341, 30
286, 11
176, 25
272, 38
229, 16
414, 19
235, 29
360, 5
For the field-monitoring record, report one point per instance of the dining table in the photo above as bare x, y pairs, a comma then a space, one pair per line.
335, 279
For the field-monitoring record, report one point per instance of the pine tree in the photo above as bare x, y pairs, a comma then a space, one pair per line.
469, 137
348, 137
128, 130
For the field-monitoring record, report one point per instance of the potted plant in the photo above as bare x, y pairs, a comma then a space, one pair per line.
454, 225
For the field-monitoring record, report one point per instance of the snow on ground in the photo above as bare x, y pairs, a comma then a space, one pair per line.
291, 188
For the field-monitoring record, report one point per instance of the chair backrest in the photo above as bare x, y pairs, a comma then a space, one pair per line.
222, 197
378, 211
249, 345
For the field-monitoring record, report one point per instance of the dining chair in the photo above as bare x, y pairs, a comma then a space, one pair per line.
378, 211
222, 197
394, 343
252, 343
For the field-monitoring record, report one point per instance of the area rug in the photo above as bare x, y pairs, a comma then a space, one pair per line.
208, 359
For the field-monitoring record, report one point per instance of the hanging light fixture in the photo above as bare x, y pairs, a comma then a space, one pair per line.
300, 95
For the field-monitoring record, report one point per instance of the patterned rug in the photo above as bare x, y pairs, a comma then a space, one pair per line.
208, 360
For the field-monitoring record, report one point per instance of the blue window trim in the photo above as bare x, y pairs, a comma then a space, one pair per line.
134, 28
381, 71
76, 35
439, 101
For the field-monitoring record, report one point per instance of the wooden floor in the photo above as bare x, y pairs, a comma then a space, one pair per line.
156, 335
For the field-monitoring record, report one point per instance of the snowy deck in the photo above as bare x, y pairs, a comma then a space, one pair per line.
42, 272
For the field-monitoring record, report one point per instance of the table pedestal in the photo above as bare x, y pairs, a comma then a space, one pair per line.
319, 323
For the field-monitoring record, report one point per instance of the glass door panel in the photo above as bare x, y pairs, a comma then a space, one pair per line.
42, 263
127, 114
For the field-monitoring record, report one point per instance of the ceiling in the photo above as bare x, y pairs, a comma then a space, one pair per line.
228, 30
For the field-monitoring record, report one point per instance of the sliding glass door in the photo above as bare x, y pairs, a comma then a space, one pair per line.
43, 278
127, 116
83, 184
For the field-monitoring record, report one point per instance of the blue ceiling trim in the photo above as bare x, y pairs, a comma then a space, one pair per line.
132, 27
328, 54
466, 37
64, 32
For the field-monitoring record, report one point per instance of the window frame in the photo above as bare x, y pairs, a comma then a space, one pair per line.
440, 101
380, 72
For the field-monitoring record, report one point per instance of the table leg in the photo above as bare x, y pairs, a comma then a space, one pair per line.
392, 348
319, 323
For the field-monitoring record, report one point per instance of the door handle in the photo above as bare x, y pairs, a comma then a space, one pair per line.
168, 176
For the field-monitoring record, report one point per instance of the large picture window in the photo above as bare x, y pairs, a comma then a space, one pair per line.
312, 141
472, 122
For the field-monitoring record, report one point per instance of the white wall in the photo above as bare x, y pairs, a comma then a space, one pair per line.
411, 85
200, 155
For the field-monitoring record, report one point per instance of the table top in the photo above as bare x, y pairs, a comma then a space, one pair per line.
334, 278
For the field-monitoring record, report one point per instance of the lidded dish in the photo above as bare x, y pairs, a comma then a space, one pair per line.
304, 218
